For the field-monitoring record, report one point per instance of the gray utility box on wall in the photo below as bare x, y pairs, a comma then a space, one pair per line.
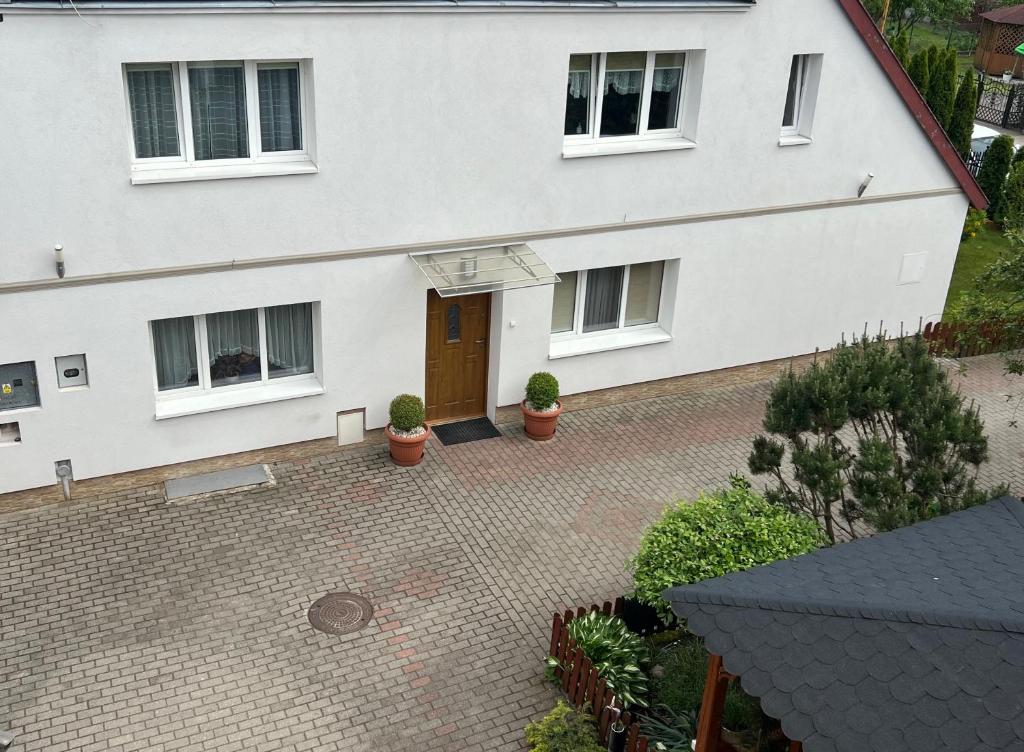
18, 385
71, 371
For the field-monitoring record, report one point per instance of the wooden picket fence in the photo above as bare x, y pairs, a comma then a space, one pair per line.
584, 687
943, 339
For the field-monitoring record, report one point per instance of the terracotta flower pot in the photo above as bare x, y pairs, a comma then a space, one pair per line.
406, 450
540, 426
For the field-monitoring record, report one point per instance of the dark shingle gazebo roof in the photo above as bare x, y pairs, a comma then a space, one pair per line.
910, 640
1013, 14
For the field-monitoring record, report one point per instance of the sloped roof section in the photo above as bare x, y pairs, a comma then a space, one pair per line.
1013, 14
875, 41
910, 640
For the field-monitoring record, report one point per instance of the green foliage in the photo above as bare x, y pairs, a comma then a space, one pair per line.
992, 173
918, 70
614, 651
542, 390
406, 412
680, 687
875, 432
973, 223
906, 14
564, 729
961, 123
901, 48
1013, 199
669, 730
720, 532
941, 84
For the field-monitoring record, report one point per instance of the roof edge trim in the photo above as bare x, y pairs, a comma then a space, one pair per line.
893, 68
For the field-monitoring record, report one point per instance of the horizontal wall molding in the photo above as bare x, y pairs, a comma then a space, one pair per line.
459, 243
173, 7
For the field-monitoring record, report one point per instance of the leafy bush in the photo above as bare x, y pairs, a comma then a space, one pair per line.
680, 686
918, 70
564, 729
721, 532
614, 651
542, 390
406, 412
961, 124
1013, 198
992, 173
974, 222
668, 730
901, 48
875, 432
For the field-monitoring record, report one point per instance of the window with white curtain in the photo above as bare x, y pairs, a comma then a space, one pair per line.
625, 94
230, 348
594, 301
217, 113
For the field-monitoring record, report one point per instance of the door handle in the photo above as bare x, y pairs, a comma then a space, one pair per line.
480, 341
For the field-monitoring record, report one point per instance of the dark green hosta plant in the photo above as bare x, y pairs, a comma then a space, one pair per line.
614, 651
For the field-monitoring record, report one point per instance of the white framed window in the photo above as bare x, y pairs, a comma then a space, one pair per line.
234, 350
217, 119
801, 97
596, 302
630, 101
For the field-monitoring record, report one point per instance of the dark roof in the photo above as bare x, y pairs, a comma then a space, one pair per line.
909, 640
893, 68
1013, 14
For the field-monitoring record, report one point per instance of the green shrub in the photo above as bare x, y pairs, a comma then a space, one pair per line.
721, 532
973, 223
542, 390
961, 124
680, 687
901, 48
918, 70
564, 729
406, 412
668, 730
942, 85
992, 173
1013, 198
614, 651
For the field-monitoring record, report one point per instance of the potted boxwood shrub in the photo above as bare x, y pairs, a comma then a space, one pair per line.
541, 407
406, 432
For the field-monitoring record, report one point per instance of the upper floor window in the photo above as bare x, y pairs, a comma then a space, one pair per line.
252, 345
193, 120
801, 96
614, 297
615, 101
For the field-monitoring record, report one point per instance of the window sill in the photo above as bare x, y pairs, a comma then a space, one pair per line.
629, 146
618, 340
183, 172
219, 399
794, 140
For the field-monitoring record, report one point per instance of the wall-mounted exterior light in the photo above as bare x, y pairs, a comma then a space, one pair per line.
59, 252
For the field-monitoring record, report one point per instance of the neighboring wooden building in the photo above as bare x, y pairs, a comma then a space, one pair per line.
1002, 31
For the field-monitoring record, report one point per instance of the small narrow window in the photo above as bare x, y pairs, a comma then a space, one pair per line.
154, 113
577, 96
174, 345
801, 91
219, 126
603, 298
643, 294
289, 340
280, 109
563, 308
665, 91
454, 321
623, 87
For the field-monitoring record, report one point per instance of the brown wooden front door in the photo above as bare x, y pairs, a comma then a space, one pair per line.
457, 331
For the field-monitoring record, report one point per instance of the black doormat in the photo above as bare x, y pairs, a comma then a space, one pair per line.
465, 430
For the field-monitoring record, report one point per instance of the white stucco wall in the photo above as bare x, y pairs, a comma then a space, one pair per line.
434, 126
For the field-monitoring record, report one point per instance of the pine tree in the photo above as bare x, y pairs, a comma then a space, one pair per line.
919, 70
961, 124
933, 58
901, 48
942, 85
992, 173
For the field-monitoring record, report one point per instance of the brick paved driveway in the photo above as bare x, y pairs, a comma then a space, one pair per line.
131, 624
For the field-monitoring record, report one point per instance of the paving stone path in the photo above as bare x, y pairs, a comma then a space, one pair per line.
128, 623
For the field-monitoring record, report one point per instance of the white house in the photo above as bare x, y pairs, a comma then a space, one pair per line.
257, 200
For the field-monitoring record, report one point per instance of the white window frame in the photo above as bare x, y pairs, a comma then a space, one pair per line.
580, 303
186, 166
205, 385
808, 79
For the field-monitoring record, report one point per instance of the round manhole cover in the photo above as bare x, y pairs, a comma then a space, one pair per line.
340, 613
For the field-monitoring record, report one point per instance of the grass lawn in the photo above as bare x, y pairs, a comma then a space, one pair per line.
974, 255
924, 36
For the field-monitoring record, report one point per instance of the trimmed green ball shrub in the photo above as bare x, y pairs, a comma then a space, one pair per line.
406, 412
564, 729
725, 531
542, 390
614, 651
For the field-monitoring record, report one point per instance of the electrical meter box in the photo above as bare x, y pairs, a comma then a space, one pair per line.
71, 371
18, 385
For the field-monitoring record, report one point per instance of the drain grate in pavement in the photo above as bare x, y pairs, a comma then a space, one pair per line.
340, 613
